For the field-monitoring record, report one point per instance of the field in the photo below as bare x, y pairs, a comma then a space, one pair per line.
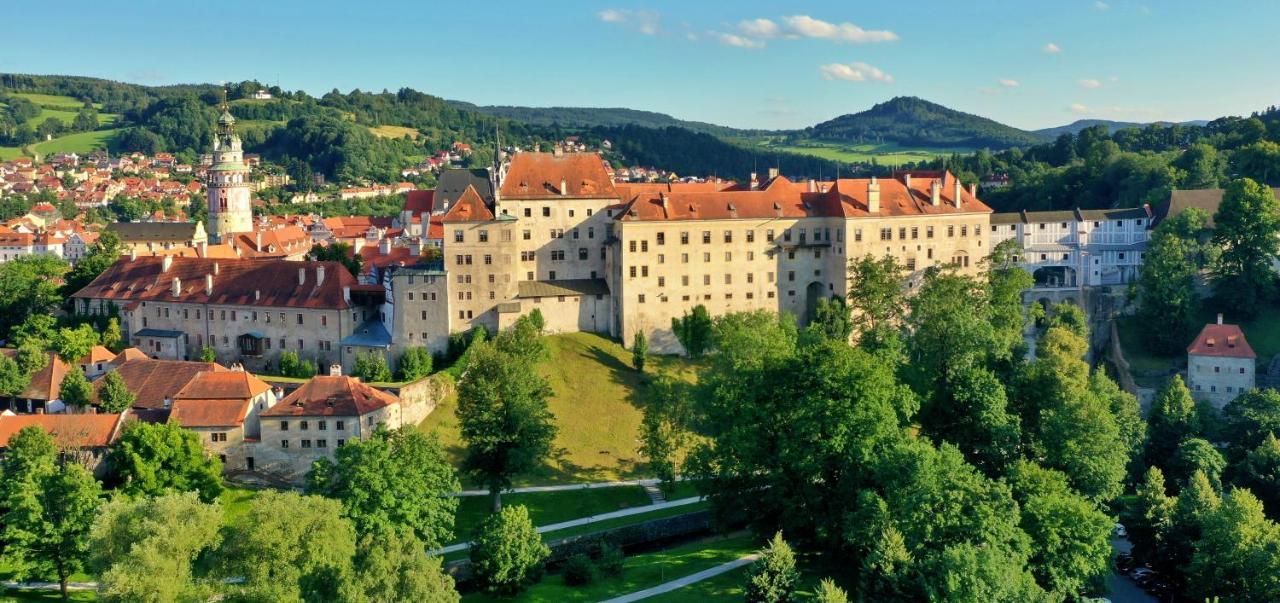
80, 142
546, 508
64, 108
50, 99
597, 404
883, 154
394, 131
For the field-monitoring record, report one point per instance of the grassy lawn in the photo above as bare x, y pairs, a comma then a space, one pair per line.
51, 99
394, 131
885, 154
14, 595
639, 572
80, 142
546, 508
235, 503
618, 522
8, 153
597, 404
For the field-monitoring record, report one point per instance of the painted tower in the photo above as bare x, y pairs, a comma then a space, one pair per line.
229, 206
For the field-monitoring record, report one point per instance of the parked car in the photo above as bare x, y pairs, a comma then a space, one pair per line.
1124, 562
1142, 575
1120, 531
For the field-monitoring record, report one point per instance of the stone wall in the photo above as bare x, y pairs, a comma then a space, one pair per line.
419, 398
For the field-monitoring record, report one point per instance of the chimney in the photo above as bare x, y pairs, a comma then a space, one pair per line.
177, 286
1219, 318
335, 370
973, 189
346, 294
813, 185
773, 173
384, 247
168, 402
415, 247
755, 182
959, 189
663, 196
935, 192
215, 268
257, 294
258, 240
208, 284
564, 187
873, 196
133, 253
319, 275
165, 263
906, 179
302, 276
204, 249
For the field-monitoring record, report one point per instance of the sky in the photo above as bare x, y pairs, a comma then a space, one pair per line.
750, 64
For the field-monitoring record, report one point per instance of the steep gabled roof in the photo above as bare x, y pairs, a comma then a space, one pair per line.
228, 385
1221, 340
154, 381
46, 384
195, 412
541, 175
71, 431
469, 208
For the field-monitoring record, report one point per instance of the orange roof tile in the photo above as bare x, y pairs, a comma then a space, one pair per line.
332, 396
153, 381
1221, 340
541, 175
230, 385
196, 412
468, 208
72, 431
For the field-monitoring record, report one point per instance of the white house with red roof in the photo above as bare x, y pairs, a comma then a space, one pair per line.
1220, 364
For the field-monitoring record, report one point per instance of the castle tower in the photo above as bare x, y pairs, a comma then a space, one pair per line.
229, 207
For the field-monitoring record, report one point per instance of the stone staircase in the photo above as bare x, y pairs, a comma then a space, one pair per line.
655, 494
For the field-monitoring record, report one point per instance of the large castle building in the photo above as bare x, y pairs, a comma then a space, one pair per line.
230, 209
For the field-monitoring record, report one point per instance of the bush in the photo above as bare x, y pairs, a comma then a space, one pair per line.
610, 562
579, 570
508, 554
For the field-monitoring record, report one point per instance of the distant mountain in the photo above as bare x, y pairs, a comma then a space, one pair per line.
607, 117
1076, 126
913, 122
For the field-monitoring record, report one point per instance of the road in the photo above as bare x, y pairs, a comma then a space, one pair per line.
1123, 590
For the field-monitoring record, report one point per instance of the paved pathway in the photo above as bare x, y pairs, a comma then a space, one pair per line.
686, 581
566, 487
582, 521
49, 585
1120, 589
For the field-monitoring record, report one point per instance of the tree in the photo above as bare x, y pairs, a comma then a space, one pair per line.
31, 359
1260, 473
51, 536
1236, 557
828, 592
503, 415
371, 367
394, 479
507, 555
149, 549
155, 458
75, 390
536, 319
12, 378
1070, 536
392, 566
74, 344
207, 354
115, 396
37, 330
831, 318
946, 335
112, 339
1006, 280
773, 577
288, 547
1249, 418
292, 366
1197, 455
875, 296
1246, 228
693, 330
101, 255
1149, 519
974, 416
415, 363
523, 341
1168, 302
1172, 419
639, 351
338, 252
29, 287
663, 430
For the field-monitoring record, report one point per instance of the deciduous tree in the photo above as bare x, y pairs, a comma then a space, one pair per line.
156, 458
46, 528
693, 330
415, 363
115, 397
1246, 227
507, 555
393, 566
149, 549
75, 390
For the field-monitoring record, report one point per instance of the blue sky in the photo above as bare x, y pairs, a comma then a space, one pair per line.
749, 63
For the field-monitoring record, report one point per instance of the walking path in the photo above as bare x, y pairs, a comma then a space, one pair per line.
582, 521
686, 581
48, 585
566, 487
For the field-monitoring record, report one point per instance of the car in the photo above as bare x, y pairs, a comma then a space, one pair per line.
1120, 531
1141, 575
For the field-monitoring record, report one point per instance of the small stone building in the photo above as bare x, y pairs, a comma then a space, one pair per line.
223, 409
1220, 364
84, 438
317, 418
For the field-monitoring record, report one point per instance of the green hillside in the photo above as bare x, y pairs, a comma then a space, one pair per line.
916, 123
590, 117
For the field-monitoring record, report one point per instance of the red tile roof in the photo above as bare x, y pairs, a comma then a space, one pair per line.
1221, 340
541, 175
332, 396
71, 431
235, 282
419, 201
46, 384
152, 381
468, 208
195, 412
229, 385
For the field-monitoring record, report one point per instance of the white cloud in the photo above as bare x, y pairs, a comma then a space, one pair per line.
1078, 109
737, 41
1091, 84
854, 72
1100, 5
760, 28
1051, 48
1008, 83
643, 21
806, 26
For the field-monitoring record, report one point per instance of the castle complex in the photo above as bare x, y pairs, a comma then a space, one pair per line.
230, 209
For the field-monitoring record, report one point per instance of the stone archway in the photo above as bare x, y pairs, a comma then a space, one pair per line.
813, 293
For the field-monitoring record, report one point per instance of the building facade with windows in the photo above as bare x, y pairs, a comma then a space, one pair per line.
1077, 248
1220, 364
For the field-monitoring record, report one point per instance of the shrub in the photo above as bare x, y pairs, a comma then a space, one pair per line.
610, 562
579, 570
